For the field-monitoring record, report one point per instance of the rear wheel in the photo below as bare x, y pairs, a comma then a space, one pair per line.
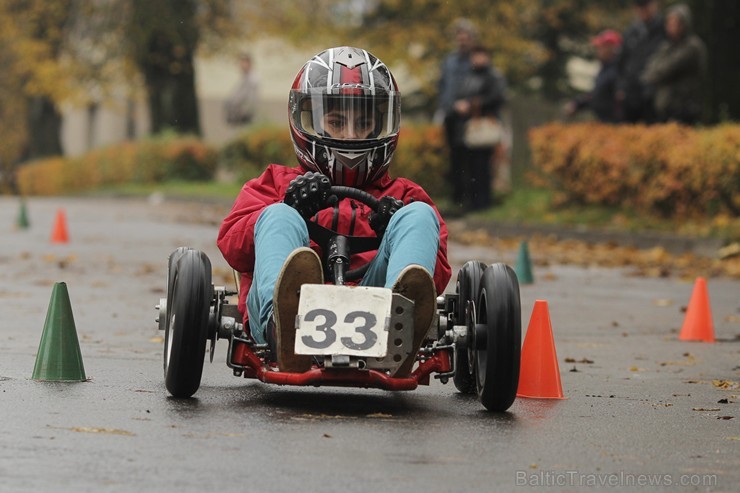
497, 338
186, 331
468, 285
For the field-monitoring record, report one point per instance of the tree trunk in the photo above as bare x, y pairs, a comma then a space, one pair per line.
165, 43
717, 22
44, 128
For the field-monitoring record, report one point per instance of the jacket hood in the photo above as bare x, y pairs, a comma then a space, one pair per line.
683, 12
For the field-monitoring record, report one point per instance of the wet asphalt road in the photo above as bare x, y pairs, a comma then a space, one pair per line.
642, 407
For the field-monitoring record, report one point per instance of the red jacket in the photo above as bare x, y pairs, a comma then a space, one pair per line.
236, 236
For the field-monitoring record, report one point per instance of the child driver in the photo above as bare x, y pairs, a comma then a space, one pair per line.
344, 110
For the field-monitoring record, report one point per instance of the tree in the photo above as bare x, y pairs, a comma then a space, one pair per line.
531, 40
717, 22
33, 34
163, 37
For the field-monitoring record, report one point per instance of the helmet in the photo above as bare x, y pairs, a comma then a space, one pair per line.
345, 112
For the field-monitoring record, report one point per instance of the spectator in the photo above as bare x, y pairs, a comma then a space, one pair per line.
602, 98
454, 68
481, 94
241, 106
677, 70
639, 42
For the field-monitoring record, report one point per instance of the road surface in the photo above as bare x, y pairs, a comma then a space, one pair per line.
642, 410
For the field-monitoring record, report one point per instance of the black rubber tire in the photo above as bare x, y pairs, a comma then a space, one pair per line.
187, 325
171, 267
468, 285
497, 359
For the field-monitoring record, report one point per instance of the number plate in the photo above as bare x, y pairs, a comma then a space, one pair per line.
346, 320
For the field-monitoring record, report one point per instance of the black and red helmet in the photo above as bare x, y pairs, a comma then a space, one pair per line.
345, 113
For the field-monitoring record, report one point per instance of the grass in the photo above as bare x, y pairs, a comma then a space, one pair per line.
534, 206
180, 189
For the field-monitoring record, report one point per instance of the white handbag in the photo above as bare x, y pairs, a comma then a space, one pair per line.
481, 132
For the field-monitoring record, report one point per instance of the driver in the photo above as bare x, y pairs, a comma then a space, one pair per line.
344, 112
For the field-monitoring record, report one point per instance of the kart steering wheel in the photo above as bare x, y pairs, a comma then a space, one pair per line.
357, 244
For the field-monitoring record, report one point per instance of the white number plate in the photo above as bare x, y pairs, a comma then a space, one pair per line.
346, 320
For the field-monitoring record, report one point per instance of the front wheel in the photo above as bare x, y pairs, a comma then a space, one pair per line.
468, 286
497, 338
187, 323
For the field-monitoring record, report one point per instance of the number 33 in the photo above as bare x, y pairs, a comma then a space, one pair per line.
330, 335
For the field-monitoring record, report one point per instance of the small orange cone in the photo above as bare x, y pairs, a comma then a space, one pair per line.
59, 231
539, 376
698, 325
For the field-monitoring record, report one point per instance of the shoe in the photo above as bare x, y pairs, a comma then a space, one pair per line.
416, 284
303, 266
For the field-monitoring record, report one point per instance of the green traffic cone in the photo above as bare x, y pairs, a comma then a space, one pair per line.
23, 222
59, 357
523, 266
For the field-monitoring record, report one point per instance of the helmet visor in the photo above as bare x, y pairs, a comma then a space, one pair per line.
346, 117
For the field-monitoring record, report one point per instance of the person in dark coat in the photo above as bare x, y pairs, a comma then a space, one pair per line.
482, 92
602, 98
677, 70
639, 41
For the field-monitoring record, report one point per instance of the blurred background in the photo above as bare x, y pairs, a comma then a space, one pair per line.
80, 75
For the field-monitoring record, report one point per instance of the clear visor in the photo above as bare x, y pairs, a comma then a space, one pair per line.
346, 117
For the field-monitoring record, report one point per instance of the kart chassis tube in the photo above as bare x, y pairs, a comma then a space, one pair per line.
244, 357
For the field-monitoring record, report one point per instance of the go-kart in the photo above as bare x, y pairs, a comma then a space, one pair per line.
475, 337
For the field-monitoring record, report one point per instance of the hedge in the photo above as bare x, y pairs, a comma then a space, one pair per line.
672, 170
420, 156
148, 161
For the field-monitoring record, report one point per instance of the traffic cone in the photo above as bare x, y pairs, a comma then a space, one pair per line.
23, 222
698, 325
59, 357
523, 266
539, 375
59, 231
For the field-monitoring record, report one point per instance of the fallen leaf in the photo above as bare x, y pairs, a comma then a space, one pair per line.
663, 302
707, 409
584, 361
726, 384
157, 339
690, 361
109, 431
729, 251
725, 417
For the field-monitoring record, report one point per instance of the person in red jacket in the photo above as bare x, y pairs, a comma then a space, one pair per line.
344, 110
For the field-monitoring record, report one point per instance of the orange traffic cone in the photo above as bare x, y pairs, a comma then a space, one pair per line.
539, 376
59, 231
698, 326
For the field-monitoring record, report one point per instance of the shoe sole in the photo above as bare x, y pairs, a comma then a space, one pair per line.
303, 266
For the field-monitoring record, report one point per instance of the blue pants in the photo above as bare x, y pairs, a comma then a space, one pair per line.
412, 237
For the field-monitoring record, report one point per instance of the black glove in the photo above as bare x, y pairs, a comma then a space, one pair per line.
387, 206
308, 194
